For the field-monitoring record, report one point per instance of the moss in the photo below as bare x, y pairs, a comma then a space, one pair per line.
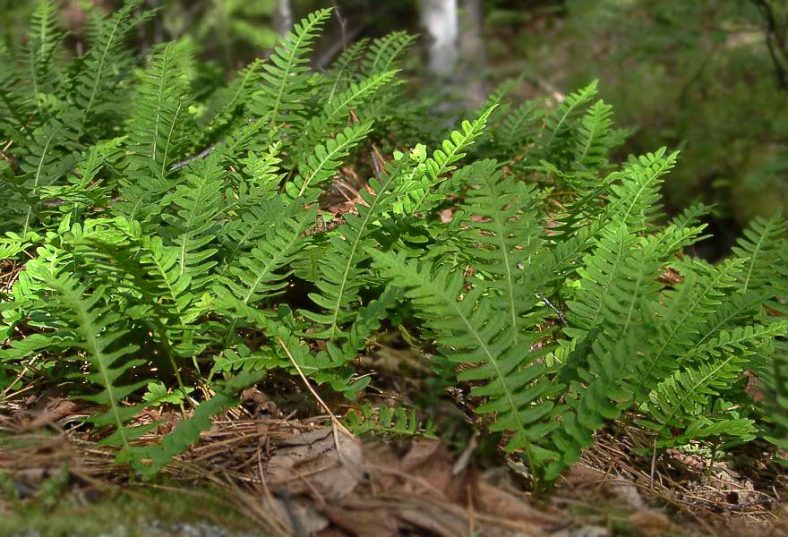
143, 514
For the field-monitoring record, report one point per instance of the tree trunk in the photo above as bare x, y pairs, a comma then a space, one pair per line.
283, 16
472, 51
440, 18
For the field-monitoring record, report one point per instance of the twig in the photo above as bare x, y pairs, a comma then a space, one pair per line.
334, 420
775, 42
202, 154
342, 24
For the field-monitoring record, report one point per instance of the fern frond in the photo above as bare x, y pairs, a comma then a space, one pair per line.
595, 138
760, 248
686, 394
157, 129
741, 341
516, 129
417, 189
48, 155
285, 76
636, 199
44, 40
342, 267
192, 228
253, 277
225, 105
96, 74
685, 313
246, 230
150, 460
550, 145
507, 231
397, 421
345, 69
336, 112
473, 338
323, 162
100, 333
384, 52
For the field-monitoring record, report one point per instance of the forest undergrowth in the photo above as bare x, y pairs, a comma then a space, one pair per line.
233, 284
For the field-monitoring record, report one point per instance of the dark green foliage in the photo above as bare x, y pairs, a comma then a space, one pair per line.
176, 239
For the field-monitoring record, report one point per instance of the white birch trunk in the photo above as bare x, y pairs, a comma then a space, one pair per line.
283, 16
441, 19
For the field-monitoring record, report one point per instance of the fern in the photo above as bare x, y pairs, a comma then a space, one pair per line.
341, 270
149, 460
99, 333
157, 129
760, 247
45, 37
285, 76
253, 277
554, 140
325, 159
515, 387
164, 222
595, 137
337, 110
417, 190
687, 393
346, 68
96, 74
685, 312
384, 52
192, 228
396, 421
636, 201
508, 232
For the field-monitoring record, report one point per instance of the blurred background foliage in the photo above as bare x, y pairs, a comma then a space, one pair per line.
709, 77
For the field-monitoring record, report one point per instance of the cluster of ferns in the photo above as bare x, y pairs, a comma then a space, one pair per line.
162, 236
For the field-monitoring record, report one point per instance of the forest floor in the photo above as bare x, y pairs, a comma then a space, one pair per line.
260, 471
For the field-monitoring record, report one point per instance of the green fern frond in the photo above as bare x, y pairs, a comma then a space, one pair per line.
601, 394
250, 226
508, 376
595, 138
687, 394
158, 127
44, 40
99, 332
741, 341
193, 225
387, 421
150, 460
224, 107
323, 162
602, 270
417, 190
554, 140
384, 52
14, 105
342, 267
254, 276
336, 112
97, 73
685, 312
760, 248
48, 155
636, 199
345, 70
507, 231
285, 76
517, 129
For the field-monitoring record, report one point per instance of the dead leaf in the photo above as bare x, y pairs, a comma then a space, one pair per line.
650, 523
312, 465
